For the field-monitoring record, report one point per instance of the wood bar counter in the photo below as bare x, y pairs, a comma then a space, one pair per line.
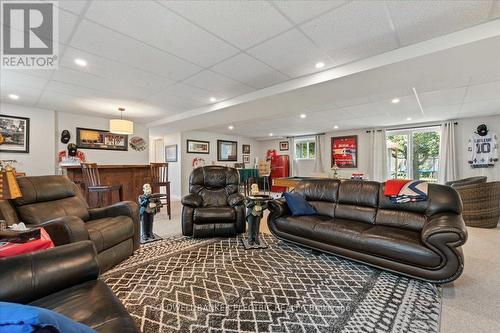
131, 177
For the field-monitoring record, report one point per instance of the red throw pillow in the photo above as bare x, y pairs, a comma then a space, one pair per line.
394, 186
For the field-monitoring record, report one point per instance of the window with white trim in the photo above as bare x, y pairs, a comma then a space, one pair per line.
305, 149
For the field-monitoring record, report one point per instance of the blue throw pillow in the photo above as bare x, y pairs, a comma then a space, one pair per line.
298, 204
19, 318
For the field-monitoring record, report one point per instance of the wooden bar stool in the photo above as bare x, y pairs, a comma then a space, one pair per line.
93, 184
159, 178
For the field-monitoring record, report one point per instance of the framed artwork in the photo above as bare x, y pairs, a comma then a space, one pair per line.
14, 134
284, 145
227, 151
245, 149
171, 153
87, 138
344, 151
198, 147
246, 159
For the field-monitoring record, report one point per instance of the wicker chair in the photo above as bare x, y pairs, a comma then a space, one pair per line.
467, 181
481, 204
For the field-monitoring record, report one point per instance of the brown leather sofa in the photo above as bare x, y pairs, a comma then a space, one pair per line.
56, 203
213, 207
64, 280
356, 221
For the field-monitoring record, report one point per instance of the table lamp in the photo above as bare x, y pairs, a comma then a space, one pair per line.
9, 189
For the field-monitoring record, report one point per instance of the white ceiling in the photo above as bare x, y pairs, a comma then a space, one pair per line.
167, 58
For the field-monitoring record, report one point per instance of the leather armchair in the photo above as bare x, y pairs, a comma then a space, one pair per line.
213, 207
65, 280
355, 220
56, 204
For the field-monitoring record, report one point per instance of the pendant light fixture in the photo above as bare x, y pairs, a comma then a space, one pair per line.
121, 126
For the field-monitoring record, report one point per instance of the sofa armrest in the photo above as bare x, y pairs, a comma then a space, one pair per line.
65, 230
192, 200
31, 276
278, 208
444, 230
123, 208
235, 199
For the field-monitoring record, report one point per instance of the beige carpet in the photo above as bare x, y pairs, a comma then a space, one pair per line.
471, 304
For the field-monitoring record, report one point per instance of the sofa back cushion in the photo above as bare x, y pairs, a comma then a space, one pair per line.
358, 200
322, 194
49, 197
214, 184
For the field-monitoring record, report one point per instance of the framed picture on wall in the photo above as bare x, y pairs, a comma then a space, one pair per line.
246, 159
344, 151
245, 149
227, 151
284, 145
87, 138
198, 147
171, 153
14, 134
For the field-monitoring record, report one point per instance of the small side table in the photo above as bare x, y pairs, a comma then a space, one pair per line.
255, 209
14, 249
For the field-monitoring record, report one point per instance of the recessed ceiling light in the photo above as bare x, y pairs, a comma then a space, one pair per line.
303, 115
213, 99
13, 96
271, 134
395, 100
80, 62
336, 127
409, 118
230, 127
319, 64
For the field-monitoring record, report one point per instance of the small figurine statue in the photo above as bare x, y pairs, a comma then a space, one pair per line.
335, 169
255, 210
150, 205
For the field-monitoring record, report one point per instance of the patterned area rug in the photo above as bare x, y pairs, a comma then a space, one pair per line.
215, 285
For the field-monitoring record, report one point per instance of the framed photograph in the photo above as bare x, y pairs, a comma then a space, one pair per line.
246, 159
198, 147
88, 138
344, 151
284, 145
171, 153
245, 149
227, 151
14, 134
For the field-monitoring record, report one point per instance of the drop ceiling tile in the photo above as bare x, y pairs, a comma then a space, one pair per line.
242, 23
172, 104
482, 92
483, 108
189, 93
354, 31
442, 97
442, 112
114, 71
17, 79
74, 6
291, 53
69, 89
27, 96
155, 25
299, 11
496, 9
250, 71
218, 84
416, 21
115, 46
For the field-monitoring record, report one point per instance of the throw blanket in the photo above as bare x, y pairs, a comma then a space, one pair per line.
402, 190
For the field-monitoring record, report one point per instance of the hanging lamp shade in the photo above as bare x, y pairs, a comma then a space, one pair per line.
121, 126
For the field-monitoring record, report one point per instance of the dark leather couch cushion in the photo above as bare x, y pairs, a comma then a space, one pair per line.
303, 226
44, 188
341, 232
356, 213
359, 193
213, 197
324, 208
214, 214
319, 189
443, 199
214, 177
93, 304
110, 231
37, 213
401, 219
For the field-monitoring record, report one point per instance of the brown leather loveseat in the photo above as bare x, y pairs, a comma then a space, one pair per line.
355, 220
57, 204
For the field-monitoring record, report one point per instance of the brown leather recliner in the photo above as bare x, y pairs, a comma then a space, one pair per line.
57, 204
214, 206
355, 220
65, 280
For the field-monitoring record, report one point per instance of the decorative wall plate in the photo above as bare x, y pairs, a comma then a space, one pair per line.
137, 143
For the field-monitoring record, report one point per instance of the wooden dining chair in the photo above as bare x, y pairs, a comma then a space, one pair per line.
159, 178
93, 184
